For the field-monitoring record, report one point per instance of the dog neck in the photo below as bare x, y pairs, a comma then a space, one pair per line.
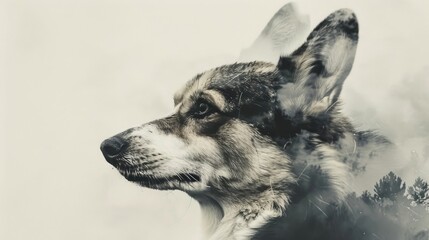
238, 219
236, 211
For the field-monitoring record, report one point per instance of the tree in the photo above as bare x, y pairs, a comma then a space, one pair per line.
367, 198
419, 192
389, 187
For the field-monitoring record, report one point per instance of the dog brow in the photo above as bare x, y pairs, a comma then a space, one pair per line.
198, 83
214, 97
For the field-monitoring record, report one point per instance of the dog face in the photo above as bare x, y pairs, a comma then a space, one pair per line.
229, 126
213, 141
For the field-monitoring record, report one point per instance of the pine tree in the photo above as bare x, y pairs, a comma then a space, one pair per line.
419, 193
389, 187
367, 198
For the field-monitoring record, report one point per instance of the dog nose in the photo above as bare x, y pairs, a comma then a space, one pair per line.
113, 147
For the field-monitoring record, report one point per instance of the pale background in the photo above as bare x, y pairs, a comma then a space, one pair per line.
73, 73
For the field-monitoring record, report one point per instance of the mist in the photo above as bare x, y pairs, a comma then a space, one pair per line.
73, 73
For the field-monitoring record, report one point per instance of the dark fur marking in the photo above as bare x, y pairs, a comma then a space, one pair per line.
170, 125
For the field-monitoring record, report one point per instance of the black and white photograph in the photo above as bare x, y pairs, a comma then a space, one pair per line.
214, 120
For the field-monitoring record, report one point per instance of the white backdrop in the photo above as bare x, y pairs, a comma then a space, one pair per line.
75, 72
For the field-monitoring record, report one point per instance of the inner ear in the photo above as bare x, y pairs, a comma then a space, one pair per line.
315, 72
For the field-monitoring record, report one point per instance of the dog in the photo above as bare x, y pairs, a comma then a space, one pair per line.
255, 142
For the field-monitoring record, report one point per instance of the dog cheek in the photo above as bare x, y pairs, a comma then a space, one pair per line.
203, 149
208, 126
236, 145
205, 155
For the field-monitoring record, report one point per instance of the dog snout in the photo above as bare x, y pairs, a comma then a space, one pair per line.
113, 147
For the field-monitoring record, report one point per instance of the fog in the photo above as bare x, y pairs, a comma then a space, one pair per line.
73, 73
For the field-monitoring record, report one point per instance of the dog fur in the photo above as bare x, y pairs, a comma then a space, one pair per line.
253, 141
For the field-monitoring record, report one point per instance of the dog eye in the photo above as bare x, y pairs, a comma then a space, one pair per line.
203, 109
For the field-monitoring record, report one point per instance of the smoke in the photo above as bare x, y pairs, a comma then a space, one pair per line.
404, 106
400, 114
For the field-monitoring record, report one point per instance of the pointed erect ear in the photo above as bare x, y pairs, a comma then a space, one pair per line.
285, 31
315, 72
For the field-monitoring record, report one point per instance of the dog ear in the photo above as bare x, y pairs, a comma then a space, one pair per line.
285, 31
313, 74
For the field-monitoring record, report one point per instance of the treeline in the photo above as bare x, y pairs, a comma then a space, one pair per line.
407, 207
391, 193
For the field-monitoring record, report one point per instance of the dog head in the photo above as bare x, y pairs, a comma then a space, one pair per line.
227, 132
